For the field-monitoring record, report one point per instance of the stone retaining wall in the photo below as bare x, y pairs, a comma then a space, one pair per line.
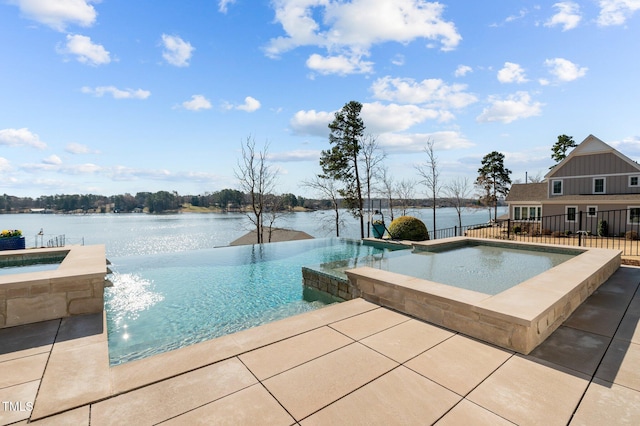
76, 287
329, 284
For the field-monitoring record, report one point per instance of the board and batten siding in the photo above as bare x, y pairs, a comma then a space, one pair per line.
594, 165
578, 174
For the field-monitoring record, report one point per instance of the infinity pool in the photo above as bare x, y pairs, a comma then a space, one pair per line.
167, 301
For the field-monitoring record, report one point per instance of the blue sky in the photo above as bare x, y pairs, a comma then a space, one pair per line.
113, 96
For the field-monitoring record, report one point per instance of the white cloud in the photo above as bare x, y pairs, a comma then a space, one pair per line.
197, 103
52, 159
516, 106
314, 123
176, 51
521, 14
568, 16
51, 165
433, 92
5, 166
378, 118
21, 137
347, 30
77, 148
295, 155
381, 118
616, 12
415, 142
223, 5
398, 60
512, 73
250, 105
462, 70
564, 70
85, 50
117, 93
340, 64
59, 13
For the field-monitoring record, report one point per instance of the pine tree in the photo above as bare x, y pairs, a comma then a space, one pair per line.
340, 162
494, 178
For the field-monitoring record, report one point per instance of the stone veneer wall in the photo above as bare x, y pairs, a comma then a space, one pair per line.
518, 319
75, 288
329, 284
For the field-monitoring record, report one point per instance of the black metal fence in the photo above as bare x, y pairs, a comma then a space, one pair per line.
613, 229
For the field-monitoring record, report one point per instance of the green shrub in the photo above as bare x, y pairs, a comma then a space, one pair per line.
568, 232
603, 228
517, 229
408, 228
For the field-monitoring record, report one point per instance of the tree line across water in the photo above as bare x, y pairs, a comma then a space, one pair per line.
226, 200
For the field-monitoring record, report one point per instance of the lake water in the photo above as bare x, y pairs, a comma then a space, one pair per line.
139, 234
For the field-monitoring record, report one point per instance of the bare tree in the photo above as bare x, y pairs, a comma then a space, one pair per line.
372, 158
257, 179
274, 205
327, 188
430, 175
387, 188
405, 190
458, 190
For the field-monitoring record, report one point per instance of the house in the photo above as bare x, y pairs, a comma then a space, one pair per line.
594, 183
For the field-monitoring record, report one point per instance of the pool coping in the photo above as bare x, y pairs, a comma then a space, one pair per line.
75, 287
518, 319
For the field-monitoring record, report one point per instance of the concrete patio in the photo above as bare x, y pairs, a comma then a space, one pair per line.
350, 363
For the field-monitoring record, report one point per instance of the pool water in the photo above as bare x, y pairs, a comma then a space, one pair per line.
167, 301
23, 269
485, 268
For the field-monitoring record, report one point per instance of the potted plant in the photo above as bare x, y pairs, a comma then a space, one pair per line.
11, 240
377, 228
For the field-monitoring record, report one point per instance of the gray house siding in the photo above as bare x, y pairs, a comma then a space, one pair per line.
618, 184
593, 165
577, 175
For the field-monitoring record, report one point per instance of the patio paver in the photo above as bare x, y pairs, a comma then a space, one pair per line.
530, 393
354, 362
459, 363
316, 384
397, 397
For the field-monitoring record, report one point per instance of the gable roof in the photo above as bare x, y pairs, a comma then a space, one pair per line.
533, 192
591, 145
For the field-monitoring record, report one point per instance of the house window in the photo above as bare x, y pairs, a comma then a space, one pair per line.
598, 185
556, 187
527, 212
592, 211
633, 215
634, 180
571, 213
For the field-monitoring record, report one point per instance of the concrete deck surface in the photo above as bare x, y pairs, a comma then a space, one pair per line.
350, 363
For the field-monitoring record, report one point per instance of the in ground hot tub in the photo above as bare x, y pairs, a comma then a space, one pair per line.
518, 316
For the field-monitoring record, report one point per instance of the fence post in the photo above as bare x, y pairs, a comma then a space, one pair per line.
508, 228
580, 228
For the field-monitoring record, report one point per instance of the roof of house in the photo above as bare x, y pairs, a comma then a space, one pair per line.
534, 192
590, 145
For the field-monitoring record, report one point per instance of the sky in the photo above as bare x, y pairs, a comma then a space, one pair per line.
113, 96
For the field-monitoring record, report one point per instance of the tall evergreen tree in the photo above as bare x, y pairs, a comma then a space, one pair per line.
559, 149
340, 162
493, 178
